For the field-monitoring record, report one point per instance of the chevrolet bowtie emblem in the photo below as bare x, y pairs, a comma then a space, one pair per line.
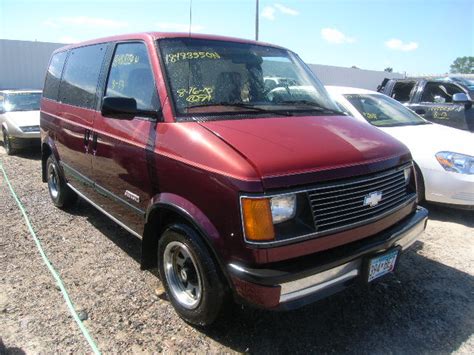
373, 198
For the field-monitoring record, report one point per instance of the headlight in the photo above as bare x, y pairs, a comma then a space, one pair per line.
407, 173
455, 162
283, 208
261, 215
30, 129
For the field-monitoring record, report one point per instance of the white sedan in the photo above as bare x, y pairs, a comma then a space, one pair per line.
444, 156
20, 118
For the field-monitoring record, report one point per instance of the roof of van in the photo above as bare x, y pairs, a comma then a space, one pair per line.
160, 35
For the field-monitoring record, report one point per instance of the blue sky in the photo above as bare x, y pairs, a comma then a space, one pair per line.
413, 36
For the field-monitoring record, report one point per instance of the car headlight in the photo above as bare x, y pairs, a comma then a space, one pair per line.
455, 162
407, 173
28, 129
261, 216
283, 208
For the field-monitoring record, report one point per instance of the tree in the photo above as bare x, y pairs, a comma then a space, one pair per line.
388, 69
463, 65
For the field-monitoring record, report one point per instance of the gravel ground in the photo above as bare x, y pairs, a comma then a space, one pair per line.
426, 307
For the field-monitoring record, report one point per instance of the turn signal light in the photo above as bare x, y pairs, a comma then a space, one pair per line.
257, 218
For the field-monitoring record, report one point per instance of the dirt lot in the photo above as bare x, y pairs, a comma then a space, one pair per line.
426, 307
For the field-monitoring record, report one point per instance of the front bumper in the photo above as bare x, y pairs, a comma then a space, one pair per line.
449, 188
294, 283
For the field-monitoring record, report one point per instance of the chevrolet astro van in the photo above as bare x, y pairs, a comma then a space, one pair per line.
237, 192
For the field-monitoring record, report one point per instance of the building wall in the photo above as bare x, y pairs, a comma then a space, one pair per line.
23, 64
359, 78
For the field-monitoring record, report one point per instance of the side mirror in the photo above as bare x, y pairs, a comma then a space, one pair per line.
124, 108
462, 98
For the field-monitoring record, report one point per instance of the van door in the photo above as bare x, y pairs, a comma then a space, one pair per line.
75, 114
123, 149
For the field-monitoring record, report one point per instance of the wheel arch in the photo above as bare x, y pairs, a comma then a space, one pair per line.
47, 148
172, 209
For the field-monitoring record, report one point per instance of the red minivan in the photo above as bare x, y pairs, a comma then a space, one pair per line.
239, 188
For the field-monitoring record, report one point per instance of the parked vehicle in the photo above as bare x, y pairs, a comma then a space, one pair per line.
444, 156
439, 101
19, 119
235, 196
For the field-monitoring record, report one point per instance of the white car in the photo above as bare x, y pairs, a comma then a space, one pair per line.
444, 156
20, 118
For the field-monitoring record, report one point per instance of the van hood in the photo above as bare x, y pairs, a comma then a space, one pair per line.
280, 148
24, 118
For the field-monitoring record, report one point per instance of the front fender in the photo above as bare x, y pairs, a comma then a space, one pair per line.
186, 210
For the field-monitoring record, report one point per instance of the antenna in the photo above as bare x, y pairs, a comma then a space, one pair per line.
256, 21
190, 16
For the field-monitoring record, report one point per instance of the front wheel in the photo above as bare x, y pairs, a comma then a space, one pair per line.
7, 144
61, 194
190, 276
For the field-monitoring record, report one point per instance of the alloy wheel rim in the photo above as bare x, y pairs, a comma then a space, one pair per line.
53, 181
182, 275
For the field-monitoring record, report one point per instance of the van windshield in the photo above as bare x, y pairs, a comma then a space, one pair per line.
22, 101
210, 77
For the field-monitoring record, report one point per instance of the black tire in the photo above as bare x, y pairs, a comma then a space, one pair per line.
61, 194
214, 295
420, 185
7, 144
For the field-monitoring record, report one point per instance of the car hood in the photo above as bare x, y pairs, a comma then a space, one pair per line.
429, 139
287, 146
23, 118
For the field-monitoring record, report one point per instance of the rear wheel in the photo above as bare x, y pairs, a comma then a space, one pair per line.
61, 194
7, 144
190, 276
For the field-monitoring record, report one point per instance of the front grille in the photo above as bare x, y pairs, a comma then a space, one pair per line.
342, 205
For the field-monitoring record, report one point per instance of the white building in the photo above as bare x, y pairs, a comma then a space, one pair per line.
23, 65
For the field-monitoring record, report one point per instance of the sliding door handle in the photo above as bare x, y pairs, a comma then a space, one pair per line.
87, 135
94, 143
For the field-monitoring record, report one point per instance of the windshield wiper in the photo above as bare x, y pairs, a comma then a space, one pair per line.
313, 105
242, 105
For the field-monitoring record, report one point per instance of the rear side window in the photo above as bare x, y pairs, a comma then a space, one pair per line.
131, 76
53, 76
402, 89
79, 82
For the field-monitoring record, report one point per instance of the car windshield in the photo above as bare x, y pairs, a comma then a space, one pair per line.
209, 77
22, 101
382, 111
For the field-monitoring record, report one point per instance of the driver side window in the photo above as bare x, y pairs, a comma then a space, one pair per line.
131, 76
439, 93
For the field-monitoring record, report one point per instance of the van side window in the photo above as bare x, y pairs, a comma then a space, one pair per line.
79, 83
53, 76
131, 76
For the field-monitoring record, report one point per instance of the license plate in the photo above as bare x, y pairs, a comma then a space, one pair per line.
382, 264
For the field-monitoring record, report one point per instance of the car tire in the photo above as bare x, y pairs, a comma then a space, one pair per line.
420, 185
191, 278
7, 144
60, 193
